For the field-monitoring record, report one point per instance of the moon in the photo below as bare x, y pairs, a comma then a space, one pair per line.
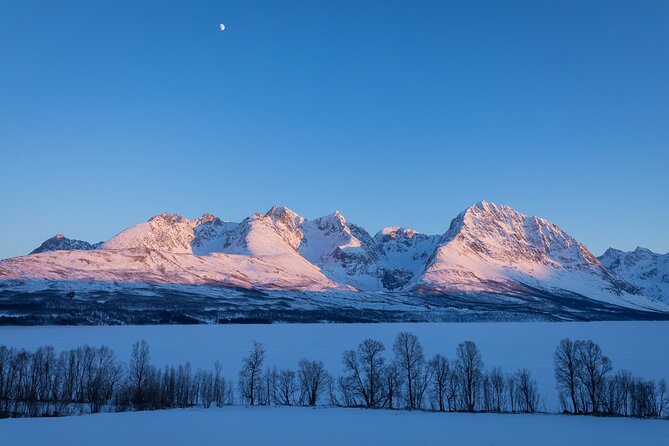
222, 27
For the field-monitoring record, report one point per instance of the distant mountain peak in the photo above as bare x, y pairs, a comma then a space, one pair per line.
61, 243
207, 217
281, 214
643, 268
167, 217
396, 232
335, 219
490, 247
489, 209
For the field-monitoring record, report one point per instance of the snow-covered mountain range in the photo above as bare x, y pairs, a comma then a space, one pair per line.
488, 248
642, 268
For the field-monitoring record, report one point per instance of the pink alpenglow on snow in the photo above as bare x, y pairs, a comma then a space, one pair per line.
488, 248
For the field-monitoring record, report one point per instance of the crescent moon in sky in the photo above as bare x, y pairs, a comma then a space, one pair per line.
222, 27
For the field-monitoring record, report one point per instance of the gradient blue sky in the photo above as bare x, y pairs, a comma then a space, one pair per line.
395, 113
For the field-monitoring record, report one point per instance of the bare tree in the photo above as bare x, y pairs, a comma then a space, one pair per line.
567, 367
440, 372
364, 369
422, 384
140, 371
470, 372
497, 387
453, 388
219, 384
392, 384
287, 387
615, 397
594, 367
370, 352
410, 360
352, 385
204, 383
348, 391
512, 392
643, 398
103, 376
313, 379
528, 392
250, 374
661, 397
6, 387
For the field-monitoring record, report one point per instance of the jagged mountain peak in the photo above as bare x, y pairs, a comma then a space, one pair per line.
395, 232
283, 215
332, 222
277, 232
485, 210
503, 233
643, 268
168, 218
162, 232
492, 247
206, 218
610, 252
61, 243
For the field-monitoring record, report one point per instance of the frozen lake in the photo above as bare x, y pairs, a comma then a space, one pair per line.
640, 347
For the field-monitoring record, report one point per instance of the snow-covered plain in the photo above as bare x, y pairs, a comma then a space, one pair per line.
640, 347
332, 426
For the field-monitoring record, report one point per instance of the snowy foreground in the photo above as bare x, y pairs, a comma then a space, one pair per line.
331, 426
640, 347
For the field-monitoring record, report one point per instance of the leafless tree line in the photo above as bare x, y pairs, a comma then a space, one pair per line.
410, 381
587, 385
407, 380
91, 379
285, 387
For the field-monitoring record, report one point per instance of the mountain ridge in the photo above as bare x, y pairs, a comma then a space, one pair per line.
488, 248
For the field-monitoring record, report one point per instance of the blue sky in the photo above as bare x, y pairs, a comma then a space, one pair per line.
395, 113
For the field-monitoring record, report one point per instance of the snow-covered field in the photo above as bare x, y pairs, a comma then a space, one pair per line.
333, 426
640, 347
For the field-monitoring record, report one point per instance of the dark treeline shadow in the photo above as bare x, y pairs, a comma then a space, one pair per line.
91, 379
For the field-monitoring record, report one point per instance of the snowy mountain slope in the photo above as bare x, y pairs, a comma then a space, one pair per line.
344, 252
210, 234
164, 232
275, 233
143, 265
176, 234
61, 243
172, 249
348, 254
405, 254
642, 268
491, 247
